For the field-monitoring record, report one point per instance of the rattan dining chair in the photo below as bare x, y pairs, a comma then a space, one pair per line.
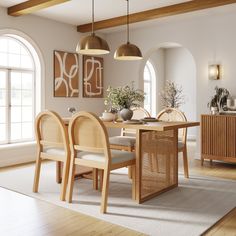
173, 114
52, 144
127, 139
90, 147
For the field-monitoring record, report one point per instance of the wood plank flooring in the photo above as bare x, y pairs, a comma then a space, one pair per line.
22, 215
25, 216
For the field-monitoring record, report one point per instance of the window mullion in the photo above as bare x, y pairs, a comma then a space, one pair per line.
8, 97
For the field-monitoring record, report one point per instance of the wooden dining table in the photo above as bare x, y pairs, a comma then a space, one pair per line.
156, 155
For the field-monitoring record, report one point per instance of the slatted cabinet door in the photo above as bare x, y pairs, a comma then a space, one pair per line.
218, 137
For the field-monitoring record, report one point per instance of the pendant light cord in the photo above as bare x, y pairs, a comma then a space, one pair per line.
92, 17
127, 21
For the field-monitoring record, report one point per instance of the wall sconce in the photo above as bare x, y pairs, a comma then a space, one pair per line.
214, 72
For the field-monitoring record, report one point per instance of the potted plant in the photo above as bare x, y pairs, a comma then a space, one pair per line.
123, 98
219, 100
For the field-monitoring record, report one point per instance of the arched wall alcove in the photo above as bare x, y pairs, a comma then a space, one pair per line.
173, 62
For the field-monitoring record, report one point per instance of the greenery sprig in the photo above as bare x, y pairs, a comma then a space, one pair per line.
124, 97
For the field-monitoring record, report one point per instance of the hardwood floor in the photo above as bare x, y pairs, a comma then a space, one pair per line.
23, 215
226, 226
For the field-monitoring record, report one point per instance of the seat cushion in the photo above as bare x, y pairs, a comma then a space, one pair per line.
180, 144
54, 151
123, 141
116, 156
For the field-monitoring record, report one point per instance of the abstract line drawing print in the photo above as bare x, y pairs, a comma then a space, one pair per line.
66, 74
92, 77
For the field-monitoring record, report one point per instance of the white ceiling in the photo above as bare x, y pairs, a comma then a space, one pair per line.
77, 12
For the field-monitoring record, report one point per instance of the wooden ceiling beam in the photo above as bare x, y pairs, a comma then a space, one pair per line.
171, 10
31, 6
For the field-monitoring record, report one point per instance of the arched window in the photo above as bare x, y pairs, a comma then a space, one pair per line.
17, 91
149, 77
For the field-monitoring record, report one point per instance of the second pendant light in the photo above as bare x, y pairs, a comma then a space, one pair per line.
128, 51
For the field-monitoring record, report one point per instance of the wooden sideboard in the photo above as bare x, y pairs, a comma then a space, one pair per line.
218, 138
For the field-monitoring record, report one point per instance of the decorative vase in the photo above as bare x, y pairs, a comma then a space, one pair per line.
126, 114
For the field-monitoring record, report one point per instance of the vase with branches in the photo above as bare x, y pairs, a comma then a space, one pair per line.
123, 98
172, 95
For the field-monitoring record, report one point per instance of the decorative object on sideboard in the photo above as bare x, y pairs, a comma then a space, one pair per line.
124, 98
128, 51
218, 102
72, 110
92, 44
214, 72
172, 95
92, 77
66, 74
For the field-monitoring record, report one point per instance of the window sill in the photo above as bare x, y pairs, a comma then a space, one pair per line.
17, 145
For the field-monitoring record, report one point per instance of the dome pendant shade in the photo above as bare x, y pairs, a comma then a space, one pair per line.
92, 45
128, 52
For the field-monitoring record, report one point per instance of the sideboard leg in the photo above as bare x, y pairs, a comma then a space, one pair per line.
202, 160
211, 162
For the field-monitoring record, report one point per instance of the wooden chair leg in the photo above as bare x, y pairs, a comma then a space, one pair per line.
105, 190
37, 174
95, 178
185, 161
66, 166
58, 172
134, 182
101, 173
71, 181
130, 172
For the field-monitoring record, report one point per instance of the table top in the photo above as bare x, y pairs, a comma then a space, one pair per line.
157, 126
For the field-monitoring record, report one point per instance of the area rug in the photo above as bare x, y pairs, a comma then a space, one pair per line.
190, 209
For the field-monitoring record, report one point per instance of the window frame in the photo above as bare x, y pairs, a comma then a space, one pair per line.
9, 70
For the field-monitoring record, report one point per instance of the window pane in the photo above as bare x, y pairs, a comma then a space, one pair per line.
3, 59
15, 80
27, 130
27, 114
2, 97
3, 45
24, 51
15, 114
26, 62
2, 115
27, 98
27, 81
14, 46
15, 97
14, 60
2, 79
15, 131
3, 132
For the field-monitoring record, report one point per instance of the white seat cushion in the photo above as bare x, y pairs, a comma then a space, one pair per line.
116, 156
123, 141
180, 144
54, 151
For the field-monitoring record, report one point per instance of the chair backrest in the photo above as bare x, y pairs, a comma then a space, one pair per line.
173, 114
88, 133
138, 114
51, 131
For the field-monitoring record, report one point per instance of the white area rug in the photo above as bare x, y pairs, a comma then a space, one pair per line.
188, 210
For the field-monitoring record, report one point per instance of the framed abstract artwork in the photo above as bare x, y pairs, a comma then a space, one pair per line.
92, 77
66, 74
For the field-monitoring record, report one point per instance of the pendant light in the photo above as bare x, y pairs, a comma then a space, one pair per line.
92, 44
128, 51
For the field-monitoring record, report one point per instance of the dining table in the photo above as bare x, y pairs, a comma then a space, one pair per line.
156, 152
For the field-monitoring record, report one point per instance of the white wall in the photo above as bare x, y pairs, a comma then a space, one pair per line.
208, 35
48, 35
180, 68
